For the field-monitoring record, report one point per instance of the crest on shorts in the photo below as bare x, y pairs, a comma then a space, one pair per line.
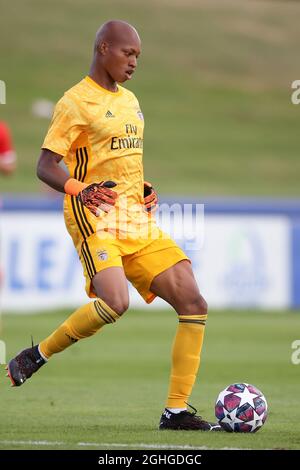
102, 255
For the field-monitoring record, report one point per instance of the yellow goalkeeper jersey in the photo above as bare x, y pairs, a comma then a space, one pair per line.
99, 133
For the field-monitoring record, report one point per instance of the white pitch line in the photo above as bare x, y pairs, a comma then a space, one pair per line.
113, 444
142, 446
33, 443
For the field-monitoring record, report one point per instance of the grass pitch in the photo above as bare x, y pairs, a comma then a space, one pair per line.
107, 392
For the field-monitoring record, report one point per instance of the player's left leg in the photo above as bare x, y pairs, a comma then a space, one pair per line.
162, 269
178, 287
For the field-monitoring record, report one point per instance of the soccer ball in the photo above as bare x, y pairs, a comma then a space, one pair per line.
241, 407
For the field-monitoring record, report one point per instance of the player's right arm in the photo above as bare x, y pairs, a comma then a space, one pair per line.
67, 124
94, 196
49, 171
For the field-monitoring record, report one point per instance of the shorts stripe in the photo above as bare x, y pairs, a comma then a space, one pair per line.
79, 217
73, 200
89, 262
85, 223
91, 230
91, 258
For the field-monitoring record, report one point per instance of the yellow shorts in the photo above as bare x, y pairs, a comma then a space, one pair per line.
141, 260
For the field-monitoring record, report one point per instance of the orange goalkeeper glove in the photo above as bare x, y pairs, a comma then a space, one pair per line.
150, 197
98, 196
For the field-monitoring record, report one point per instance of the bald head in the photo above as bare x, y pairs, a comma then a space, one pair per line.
116, 50
116, 32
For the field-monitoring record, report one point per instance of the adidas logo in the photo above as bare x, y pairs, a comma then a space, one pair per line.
109, 114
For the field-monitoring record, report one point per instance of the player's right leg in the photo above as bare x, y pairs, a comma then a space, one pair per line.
110, 285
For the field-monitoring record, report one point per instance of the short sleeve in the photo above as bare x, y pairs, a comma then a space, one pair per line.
5, 139
67, 123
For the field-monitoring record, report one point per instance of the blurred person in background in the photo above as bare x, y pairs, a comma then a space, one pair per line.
8, 157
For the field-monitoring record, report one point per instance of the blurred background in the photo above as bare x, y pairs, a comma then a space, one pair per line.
214, 84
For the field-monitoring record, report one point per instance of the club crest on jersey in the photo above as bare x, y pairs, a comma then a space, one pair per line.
140, 115
102, 255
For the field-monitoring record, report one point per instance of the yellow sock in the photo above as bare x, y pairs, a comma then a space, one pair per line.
185, 359
84, 322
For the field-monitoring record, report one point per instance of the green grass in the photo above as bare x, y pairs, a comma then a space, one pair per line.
213, 81
110, 389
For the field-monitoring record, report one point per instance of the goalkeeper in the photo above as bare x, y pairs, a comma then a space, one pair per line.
97, 128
